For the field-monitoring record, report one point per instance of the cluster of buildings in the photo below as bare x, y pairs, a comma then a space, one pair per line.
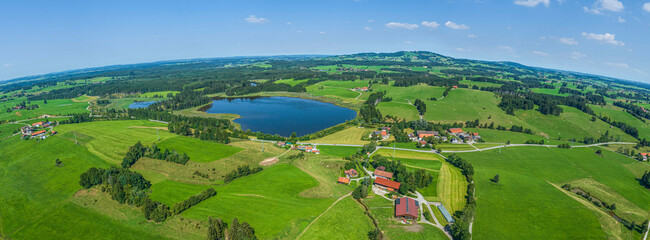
383, 134
304, 148
354, 69
30, 132
419, 136
360, 89
382, 180
350, 173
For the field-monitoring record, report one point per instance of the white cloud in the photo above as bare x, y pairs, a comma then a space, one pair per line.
408, 42
568, 41
605, 38
321, 32
507, 48
255, 19
367, 28
646, 7
463, 50
396, 25
6, 65
532, 3
540, 53
605, 5
430, 24
456, 26
621, 20
371, 20
577, 55
617, 64
289, 23
471, 36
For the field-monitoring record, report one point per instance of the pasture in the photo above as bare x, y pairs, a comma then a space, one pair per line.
346, 220
52, 107
525, 196
351, 135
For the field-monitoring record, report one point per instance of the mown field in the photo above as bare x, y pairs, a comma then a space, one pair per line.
526, 197
52, 107
351, 135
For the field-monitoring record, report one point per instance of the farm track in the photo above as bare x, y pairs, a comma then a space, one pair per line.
323, 213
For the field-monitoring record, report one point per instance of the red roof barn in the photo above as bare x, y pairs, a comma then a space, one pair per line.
407, 208
387, 184
383, 174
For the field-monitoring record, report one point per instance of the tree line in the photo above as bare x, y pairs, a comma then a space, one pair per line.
139, 150
241, 171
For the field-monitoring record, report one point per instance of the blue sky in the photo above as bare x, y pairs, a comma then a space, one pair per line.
607, 37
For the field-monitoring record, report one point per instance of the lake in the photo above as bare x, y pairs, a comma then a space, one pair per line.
282, 115
141, 104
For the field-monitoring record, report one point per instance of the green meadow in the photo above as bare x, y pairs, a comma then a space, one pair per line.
525, 196
52, 107
197, 150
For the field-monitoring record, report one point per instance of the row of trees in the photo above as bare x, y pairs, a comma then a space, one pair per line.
410, 181
193, 200
421, 106
138, 151
219, 230
241, 171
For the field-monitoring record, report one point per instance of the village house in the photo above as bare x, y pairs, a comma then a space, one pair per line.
407, 208
306, 148
383, 174
644, 156
344, 180
386, 184
38, 133
455, 131
383, 134
361, 89
37, 124
351, 173
282, 144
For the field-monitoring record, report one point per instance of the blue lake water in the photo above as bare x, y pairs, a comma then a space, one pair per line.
141, 104
282, 115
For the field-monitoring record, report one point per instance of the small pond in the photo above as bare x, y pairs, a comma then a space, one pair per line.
282, 115
141, 104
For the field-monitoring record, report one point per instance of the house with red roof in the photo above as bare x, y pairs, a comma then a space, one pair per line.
351, 173
455, 131
406, 207
344, 180
37, 124
383, 174
386, 184
37, 133
644, 156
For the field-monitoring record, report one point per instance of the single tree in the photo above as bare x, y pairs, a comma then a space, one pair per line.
58, 162
496, 178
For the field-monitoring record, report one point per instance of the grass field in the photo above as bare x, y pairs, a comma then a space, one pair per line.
32, 186
338, 151
498, 136
269, 200
320, 90
408, 154
452, 188
346, 220
480, 84
454, 146
53, 107
619, 114
291, 81
572, 123
198, 150
402, 110
7, 130
525, 198
401, 94
350, 135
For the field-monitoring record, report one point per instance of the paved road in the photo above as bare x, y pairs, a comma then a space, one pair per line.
533, 145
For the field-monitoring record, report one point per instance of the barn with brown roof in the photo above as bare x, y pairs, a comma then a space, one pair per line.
407, 208
387, 184
383, 174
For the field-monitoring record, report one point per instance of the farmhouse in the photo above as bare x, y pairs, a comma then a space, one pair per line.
382, 174
37, 124
455, 131
387, 184
406, 207
38, 133
351, 173
282, 144
424, 134
644, 156
383, 134
307, 148
344, 180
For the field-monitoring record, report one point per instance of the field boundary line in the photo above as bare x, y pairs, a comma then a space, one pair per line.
323, 213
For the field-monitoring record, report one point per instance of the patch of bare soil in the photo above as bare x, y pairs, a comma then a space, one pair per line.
249, 195
87, 192
18, 113
269, 161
